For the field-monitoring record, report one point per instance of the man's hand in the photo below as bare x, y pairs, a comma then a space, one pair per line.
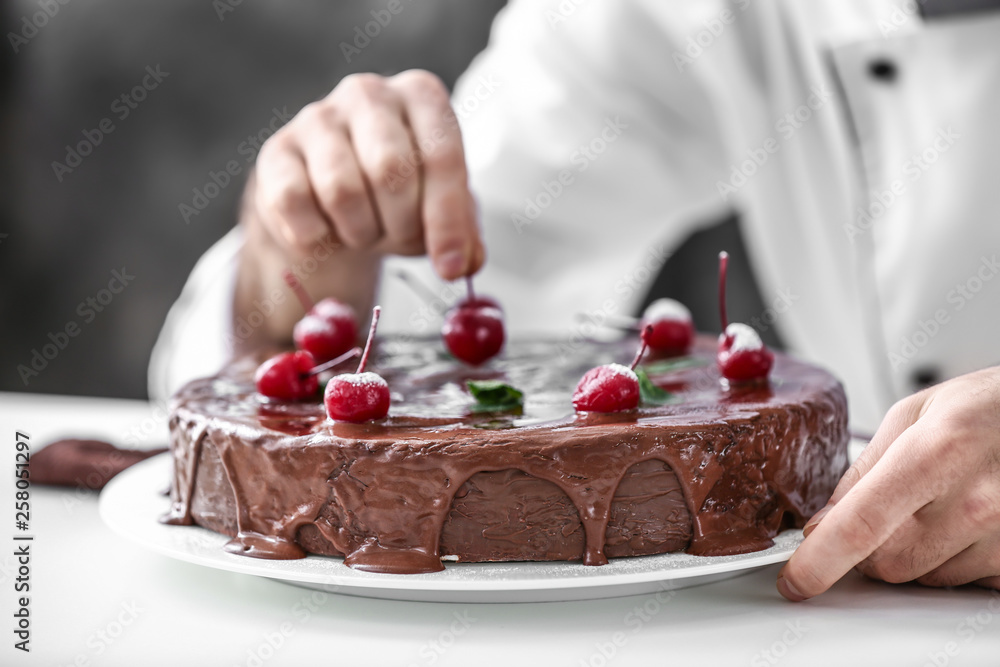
376, 167
922, 502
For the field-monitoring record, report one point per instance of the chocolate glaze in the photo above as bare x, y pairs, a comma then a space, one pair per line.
187, 455
719, 470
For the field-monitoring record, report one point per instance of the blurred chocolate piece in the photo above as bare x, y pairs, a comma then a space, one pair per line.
86, 464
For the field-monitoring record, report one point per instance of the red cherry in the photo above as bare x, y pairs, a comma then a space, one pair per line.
742, 355
286, 376
608, 388
612, 387
360, 396
673, 330
473, 329
329, 327
327, 331
357, 397
293, 376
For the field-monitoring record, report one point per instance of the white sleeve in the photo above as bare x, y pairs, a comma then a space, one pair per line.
197, 337
592, 155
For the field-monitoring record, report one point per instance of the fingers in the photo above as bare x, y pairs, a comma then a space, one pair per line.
376, 164
914, 549
979, 563
924, 501
283, 198
899, 418
385, 152
447, 209
335, 177
898, 485
958, 518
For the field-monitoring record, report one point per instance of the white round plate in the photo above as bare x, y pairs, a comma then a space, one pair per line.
132, 503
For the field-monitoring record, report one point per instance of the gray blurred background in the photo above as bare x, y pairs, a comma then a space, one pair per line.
224, 70
119, 207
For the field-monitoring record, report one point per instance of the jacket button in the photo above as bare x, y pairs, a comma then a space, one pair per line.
882, 69
925, 377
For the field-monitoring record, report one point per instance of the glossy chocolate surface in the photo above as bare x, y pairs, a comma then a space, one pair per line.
716, 470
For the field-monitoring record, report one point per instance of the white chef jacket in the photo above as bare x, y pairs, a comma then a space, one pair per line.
857, 142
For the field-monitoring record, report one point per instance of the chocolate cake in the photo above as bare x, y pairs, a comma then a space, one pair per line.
715, 470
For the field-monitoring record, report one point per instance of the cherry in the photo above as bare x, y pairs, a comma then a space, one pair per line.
612, 387
360, 396
742, 355
473, 328
673, 329
293, 376
329, 327
286, 376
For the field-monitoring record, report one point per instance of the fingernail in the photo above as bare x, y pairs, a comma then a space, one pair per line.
450, 265
789, 591
814, 521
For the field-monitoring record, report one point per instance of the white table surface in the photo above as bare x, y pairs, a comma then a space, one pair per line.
88, 583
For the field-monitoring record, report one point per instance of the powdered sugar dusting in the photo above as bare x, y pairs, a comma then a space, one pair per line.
313, 325
666, 309
333, 308
618, 369
744, 337
362, 379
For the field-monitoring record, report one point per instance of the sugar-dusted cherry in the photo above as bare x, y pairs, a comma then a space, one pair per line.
742, 355
360, 396
612, 387
473, 329
329, 327
673, 330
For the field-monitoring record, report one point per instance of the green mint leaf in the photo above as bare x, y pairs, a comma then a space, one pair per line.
495, 396
649, 392
665, 366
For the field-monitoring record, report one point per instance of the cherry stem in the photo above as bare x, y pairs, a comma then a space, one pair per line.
300, 291
376, 311
723, 266
644, 337
422, 290
325, 366
468, 285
